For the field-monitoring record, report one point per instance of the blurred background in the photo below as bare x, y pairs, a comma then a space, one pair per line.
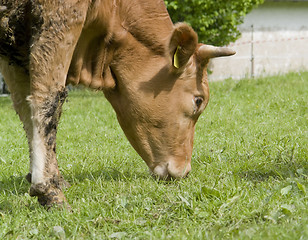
274, 40
3, 87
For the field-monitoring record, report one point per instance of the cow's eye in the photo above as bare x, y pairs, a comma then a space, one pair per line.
198, 101
197, 104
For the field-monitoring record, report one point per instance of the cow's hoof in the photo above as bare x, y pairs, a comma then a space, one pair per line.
49, 196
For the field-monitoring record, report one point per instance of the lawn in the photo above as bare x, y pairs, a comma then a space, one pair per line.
248, 180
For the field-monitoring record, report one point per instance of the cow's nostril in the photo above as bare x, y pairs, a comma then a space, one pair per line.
178, 171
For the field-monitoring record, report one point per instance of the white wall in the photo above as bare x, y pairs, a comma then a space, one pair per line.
280, 43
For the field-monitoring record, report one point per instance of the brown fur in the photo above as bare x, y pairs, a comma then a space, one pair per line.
123, 47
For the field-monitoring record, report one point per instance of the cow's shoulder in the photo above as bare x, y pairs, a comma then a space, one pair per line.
23, 22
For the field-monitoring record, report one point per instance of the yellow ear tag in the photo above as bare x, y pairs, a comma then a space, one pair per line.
176, 58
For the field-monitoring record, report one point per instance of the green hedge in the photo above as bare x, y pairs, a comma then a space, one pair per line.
215, 21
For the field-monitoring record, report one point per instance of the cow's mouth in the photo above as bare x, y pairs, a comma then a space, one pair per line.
171, 171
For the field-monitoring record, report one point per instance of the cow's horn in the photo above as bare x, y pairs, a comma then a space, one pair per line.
208, 51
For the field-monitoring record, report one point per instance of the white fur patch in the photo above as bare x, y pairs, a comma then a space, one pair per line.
37, 165
178, 171
38, 158
161, 171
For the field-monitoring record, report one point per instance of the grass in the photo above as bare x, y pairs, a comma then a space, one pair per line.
249, 178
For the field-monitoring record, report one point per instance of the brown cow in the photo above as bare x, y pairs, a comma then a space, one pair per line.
152, 72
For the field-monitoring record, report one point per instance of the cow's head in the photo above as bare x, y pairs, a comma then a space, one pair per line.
159, 97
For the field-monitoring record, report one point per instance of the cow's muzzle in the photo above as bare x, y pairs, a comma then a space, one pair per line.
171, 170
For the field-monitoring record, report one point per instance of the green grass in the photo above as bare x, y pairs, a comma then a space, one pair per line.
249, 177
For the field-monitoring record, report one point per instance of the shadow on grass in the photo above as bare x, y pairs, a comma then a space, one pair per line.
14, 185
17, 186
288, 170
108, 174
260, 175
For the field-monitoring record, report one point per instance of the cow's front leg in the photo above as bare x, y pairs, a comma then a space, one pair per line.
45, 177
59, 27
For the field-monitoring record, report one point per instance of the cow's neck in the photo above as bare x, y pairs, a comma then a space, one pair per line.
148, 21
107, 24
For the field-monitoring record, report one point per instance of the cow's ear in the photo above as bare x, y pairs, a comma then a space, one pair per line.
183, 44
